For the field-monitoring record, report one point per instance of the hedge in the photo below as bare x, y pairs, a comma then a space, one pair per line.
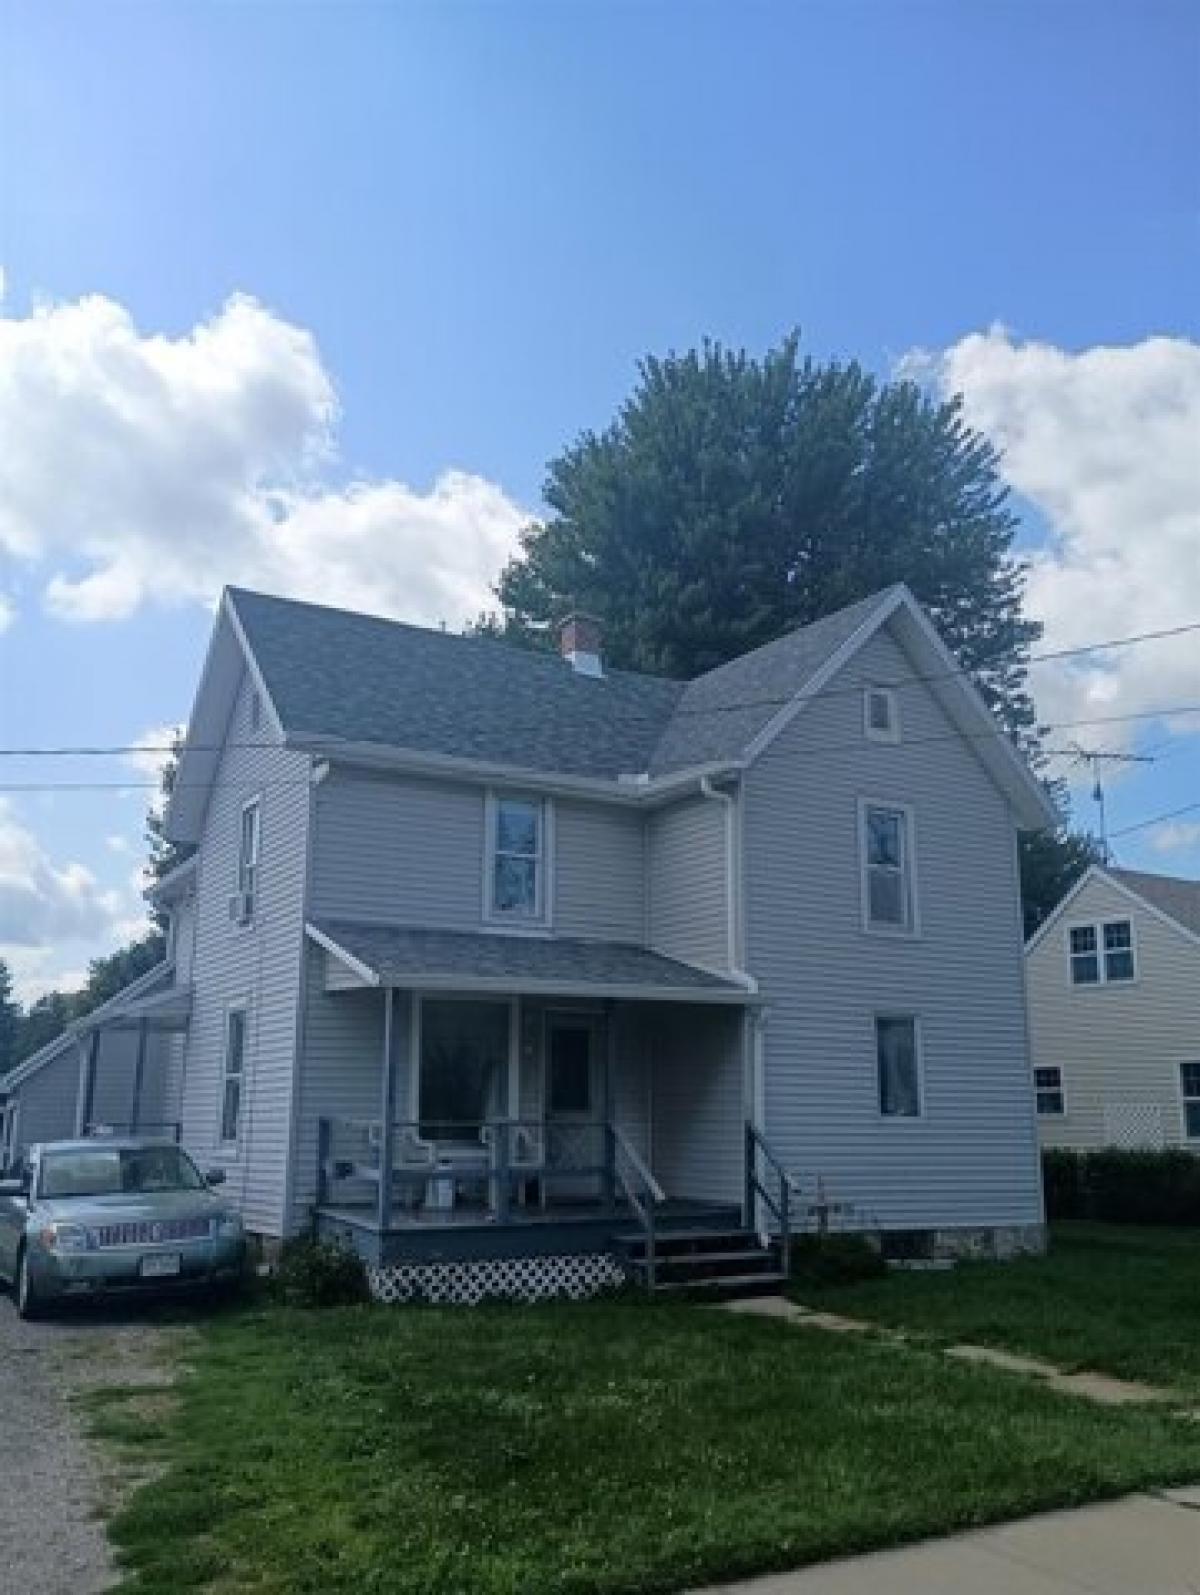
1117, 1187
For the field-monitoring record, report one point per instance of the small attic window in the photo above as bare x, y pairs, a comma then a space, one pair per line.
255, 710
881, 715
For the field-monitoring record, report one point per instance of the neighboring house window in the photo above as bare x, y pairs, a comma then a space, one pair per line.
1102, 953
1048, 1084
881, 715
248, 851
517, 859
1189, 1085
897, 1057
889, 901
235, 1070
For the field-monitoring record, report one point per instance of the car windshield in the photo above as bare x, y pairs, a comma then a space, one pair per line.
117, 1171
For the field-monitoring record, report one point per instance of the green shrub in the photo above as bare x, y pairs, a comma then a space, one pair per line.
1115, 1187
316, 1273
835, 1259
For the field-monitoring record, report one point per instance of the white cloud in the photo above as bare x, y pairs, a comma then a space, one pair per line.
52, 911
8, 613
1175, 838
1106, 445
118, 844
195, 461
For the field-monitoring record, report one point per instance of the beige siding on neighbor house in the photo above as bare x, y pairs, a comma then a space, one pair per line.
971, 1158
258, 965
1119, 1046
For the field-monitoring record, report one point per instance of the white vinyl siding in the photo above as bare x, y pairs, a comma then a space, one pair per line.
1118, 1043
970, 1159
258, 964
687, 882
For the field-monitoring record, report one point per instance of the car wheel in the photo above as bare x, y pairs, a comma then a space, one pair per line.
28, 1305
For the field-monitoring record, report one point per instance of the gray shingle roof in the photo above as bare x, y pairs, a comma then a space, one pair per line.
1171, 894
332, 673
404, 955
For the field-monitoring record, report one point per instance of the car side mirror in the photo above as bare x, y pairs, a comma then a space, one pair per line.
215, 1177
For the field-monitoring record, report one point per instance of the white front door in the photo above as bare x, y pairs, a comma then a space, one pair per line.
575, 1135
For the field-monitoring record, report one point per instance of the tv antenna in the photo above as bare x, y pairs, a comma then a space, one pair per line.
1095, 759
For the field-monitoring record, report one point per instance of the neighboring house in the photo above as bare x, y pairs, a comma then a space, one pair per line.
1114, 1007
553, 943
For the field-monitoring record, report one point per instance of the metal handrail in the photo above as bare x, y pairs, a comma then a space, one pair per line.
642, 1204
780, 1206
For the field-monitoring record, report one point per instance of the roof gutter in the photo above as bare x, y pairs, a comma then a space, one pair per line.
733, 881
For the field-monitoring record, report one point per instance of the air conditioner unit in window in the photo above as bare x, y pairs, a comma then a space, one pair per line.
241, 908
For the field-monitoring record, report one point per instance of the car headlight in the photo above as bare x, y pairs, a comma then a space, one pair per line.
229, 1227
67, 1238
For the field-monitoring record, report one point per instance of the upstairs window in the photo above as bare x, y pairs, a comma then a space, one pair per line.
1189, 1086
249, 844
889, 902
1101, 954
1048, 1086
517, 860
881, 715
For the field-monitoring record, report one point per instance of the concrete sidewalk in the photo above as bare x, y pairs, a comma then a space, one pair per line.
1142, 1545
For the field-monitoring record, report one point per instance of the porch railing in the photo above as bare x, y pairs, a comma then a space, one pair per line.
768, 1182
155, 1129
642, 1192
446, 1166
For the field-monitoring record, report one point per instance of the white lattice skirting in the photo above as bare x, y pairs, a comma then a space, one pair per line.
513, 1278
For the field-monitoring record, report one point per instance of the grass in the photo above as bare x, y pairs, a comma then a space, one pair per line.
1122, 1300
601, 1448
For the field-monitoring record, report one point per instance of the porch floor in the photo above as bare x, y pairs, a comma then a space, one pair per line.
671, 1212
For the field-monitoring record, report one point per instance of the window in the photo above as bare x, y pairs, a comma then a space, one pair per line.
235, 1068
1113, 939
1189, 1086
464, 1067
887, 857
898, 1064
881, 715
1048, 1085
516, 875
248, 850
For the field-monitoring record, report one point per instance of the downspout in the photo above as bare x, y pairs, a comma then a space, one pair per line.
733, 883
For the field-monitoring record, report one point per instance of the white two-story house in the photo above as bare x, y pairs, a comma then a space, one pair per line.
492, 960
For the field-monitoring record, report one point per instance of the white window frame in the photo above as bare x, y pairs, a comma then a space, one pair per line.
541, 920
890, 732
1060, 1089
1186, 1097
908, 853
416, 1037
242, 1007
883, 1015
253, 868
1097, 927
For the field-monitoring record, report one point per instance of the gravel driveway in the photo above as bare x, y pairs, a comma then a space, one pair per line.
53, 1486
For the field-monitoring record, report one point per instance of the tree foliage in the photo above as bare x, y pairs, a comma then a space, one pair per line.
734, 499
10, 1021
1051, 863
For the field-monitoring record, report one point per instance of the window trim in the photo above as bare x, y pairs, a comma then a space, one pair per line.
252, 803
512, 1003
921, 1114
240, 1005
1097, 926
1061, 1090
1185, 1098
912, 930
891, 732
497, 919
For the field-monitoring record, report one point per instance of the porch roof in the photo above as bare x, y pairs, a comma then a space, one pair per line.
415, 956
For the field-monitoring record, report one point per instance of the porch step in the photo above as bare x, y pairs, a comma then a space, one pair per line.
731, 1261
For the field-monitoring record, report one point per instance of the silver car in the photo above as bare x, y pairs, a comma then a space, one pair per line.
90, 1217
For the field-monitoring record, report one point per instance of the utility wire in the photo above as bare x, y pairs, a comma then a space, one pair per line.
732, 706
1156, 819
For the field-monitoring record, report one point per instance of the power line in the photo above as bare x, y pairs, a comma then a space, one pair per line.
1156, 819
335, 740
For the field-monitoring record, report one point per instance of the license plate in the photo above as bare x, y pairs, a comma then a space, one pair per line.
163, 1265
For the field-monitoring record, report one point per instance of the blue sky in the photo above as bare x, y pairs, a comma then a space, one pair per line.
480, 216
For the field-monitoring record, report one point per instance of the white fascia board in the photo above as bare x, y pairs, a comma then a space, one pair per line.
164, 888
365, 973
503, 985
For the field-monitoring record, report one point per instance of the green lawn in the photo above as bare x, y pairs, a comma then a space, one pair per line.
1126, 1301
600, 1448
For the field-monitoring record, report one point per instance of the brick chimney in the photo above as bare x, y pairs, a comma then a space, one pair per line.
579, 639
